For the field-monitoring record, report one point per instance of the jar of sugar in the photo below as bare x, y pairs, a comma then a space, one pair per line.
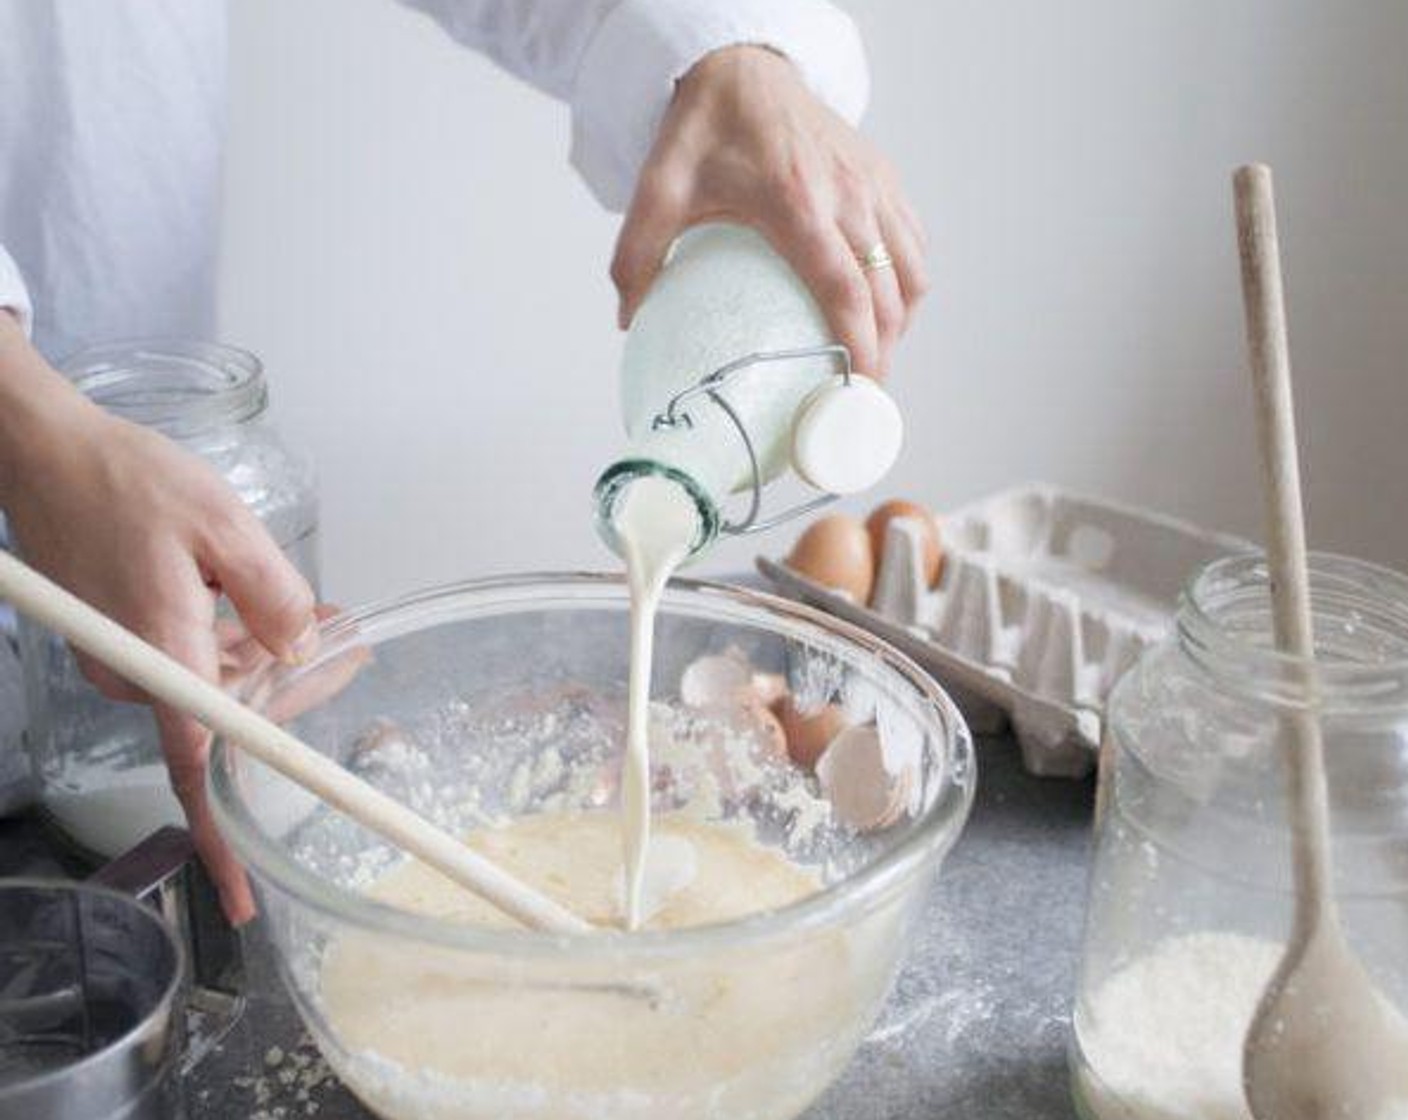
1191, 891
98, 761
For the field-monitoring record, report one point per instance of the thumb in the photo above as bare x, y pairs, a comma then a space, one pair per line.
273, 599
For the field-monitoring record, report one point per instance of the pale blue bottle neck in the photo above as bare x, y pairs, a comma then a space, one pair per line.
617, 479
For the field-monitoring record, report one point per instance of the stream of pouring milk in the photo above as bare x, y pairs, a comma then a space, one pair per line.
656, 525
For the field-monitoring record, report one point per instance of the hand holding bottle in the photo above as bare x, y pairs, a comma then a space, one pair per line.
745, 141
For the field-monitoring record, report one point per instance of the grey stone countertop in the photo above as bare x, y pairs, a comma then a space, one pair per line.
977, 1026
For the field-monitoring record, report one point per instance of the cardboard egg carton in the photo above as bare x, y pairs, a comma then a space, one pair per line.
1045, 599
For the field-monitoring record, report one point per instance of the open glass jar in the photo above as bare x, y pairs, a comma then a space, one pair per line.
99, 761
1191, 891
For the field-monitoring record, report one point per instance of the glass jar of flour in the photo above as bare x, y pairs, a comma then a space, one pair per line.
1191, 891
99, 762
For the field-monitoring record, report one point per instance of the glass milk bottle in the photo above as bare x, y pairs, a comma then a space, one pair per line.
1191, 894
98, 761
729, 376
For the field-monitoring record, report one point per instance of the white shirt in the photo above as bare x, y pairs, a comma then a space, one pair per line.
112, 118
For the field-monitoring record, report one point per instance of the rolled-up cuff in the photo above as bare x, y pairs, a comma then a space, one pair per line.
643, 47
14, 296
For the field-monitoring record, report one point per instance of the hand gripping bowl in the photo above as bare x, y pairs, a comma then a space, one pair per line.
491, 700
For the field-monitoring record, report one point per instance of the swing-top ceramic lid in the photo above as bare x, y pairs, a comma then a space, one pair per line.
846, 435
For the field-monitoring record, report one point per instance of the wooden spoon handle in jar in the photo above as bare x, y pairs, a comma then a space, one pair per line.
1285, 551
172, 683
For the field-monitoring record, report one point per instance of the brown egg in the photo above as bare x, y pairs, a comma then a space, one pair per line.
810, 733
835, 552
878, 523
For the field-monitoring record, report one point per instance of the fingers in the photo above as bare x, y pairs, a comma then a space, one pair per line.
886, 298
106, 681
186, 747
239, 653
317, 686
899, 207
167, 606
745, 141
655, 218
826, 263
272, 598
907, 251
241, 657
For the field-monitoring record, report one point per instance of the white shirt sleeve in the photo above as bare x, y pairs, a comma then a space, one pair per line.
616, 61
14, 296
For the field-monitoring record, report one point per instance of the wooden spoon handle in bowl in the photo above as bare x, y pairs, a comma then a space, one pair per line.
172, 683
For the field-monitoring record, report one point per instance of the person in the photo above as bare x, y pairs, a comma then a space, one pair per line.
111, 120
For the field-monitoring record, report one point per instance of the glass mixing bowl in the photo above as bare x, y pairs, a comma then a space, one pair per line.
491, 700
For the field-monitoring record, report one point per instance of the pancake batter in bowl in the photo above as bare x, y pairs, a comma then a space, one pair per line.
748, 1034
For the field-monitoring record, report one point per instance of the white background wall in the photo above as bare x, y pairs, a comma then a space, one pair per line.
407, 249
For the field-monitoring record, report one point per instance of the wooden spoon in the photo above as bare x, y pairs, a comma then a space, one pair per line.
1324, 1043
172, 683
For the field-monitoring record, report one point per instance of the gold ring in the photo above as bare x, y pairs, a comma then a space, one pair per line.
875, 258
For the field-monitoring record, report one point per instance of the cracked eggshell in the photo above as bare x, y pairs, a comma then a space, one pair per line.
755, 720
725, 687
715, 680
770, 688
863, 791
